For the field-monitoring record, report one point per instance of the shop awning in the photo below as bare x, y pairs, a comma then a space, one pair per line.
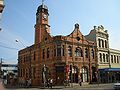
110, 69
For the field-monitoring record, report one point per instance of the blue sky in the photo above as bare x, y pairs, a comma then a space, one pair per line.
18, 21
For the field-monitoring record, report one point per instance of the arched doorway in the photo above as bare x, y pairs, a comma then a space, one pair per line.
45, 74
74, 74
84, 74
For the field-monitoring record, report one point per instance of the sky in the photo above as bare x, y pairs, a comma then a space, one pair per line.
18, 20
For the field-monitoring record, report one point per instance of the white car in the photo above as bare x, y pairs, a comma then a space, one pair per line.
117, 86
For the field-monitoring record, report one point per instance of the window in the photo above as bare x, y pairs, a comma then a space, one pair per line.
70, 51
63, 50
86, 53
81, 53
102, 44
106, 58
114, 59
99, 42
48, 52
58, 50
117, 59
111, 58
105, 44
43, 53
92, 52
100, 57
77, 52
78, 38
103, 57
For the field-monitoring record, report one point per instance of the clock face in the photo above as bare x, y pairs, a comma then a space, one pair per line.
45, 16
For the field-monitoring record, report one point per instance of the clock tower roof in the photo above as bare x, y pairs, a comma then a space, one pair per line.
41, 7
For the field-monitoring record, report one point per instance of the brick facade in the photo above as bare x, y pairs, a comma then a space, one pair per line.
63, 57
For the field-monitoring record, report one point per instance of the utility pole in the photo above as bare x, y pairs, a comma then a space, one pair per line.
0, 68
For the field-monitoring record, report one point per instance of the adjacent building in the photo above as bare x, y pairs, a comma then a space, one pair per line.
9, 73
58, 57
108, 59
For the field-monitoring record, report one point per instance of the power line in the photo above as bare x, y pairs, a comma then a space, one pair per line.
8, 47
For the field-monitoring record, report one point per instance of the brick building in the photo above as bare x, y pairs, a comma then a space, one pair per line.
57, 57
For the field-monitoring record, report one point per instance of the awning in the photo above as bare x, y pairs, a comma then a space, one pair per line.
110, 69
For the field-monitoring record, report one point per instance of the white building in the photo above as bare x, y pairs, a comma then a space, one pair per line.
108, 59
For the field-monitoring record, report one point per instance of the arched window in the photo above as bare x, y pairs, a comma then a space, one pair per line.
58, 50
105, 44
111, 58
92, 52
102, 44
84, 74
48, 52
81, 53
103, 57
70, 51
100, 57
77, 52
106, 58
86, 53
63, 50
99, 42
114, 58
117, 59
43, 54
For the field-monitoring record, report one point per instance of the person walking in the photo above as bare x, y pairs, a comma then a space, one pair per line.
51, 82
80, 81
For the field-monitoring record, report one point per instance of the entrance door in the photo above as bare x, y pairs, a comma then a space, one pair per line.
84, 74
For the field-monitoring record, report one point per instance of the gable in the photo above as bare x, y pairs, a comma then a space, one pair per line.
76, 35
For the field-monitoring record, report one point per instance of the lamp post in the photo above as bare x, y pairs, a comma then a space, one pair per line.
20, 42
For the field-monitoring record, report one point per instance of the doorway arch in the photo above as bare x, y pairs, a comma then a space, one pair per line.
84, 74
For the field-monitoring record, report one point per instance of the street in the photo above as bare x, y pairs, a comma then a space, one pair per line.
87, 87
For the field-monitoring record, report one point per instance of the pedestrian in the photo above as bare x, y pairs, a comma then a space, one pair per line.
51, 82
80, 81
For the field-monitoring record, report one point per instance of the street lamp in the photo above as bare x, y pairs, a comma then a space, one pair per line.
20, 42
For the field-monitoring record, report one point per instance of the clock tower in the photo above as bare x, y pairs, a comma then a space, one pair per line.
41, 25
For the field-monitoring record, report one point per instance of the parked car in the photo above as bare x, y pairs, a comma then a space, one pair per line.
117, 86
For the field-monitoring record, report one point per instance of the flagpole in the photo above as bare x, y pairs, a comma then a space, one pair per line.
43, 2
